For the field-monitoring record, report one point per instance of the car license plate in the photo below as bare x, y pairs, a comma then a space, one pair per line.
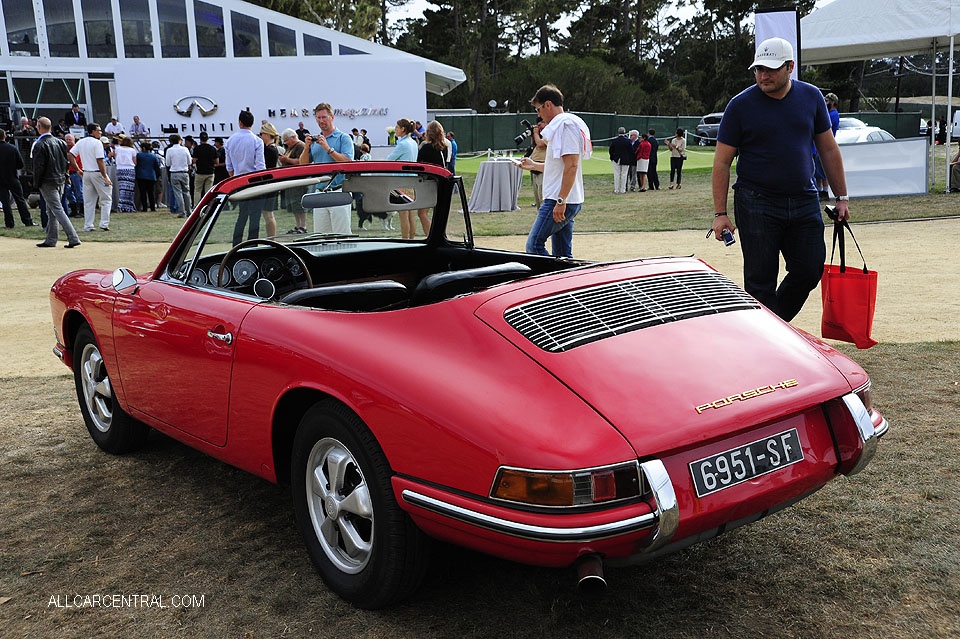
746, 462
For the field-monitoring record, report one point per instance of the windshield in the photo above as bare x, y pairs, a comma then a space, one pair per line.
291, 207
365, 205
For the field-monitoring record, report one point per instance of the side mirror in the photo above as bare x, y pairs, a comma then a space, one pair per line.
123, 279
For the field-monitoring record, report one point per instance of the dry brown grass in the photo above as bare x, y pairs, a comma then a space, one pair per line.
869, 556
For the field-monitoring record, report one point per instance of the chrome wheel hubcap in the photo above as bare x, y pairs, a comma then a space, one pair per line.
340, 506
97, 391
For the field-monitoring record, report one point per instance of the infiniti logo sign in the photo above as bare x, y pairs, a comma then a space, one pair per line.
184, 106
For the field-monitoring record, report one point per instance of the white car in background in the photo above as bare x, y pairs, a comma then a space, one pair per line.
853, 131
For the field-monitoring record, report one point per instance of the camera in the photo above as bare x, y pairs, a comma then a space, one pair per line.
527, 132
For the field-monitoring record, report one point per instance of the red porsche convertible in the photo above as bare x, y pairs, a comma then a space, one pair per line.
550, 411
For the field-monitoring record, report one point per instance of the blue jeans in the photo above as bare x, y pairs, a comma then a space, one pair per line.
561, 233
73, 191
769, 226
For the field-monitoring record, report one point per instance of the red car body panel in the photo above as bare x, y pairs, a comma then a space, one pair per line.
410, 391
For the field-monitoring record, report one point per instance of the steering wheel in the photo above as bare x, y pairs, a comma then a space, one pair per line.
241, 245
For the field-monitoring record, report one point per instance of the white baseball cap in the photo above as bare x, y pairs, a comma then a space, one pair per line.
772, 53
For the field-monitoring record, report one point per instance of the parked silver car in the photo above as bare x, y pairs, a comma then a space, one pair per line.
708, 128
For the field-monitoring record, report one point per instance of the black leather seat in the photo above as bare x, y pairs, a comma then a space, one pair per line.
362, 296
441, 286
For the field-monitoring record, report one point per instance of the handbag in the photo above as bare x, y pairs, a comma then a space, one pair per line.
849, 295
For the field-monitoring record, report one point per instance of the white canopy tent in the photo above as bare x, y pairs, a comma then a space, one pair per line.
846, 30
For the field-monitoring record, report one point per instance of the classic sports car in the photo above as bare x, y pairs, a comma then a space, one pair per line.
550, 411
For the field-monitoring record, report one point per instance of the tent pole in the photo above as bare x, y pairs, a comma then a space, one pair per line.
933, 118
949, 121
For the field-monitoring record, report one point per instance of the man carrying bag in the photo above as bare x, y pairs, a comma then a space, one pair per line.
849, 295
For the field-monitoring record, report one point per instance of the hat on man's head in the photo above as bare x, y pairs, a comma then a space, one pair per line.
831, 97
621, 131
269, 129
772, 53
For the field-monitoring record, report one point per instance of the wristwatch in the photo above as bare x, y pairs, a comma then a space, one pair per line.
559, 200
842, 198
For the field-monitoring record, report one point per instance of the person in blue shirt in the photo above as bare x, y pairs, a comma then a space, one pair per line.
405, 151
770, 127
330, 145
823, 185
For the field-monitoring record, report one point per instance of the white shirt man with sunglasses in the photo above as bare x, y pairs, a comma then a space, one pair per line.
770, 127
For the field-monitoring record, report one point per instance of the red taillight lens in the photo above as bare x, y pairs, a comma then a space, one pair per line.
604, 486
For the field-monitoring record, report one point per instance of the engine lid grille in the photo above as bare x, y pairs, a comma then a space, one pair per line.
564, 321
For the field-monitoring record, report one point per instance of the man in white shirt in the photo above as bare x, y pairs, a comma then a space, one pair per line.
177, 159
114, 128
96, 183
568, 141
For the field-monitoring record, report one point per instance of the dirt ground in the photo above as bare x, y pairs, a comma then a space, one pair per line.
918, 296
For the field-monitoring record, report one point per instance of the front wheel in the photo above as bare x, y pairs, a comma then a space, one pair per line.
112, 429
365, 547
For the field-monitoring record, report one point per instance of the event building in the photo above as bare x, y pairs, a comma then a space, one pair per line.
217, 58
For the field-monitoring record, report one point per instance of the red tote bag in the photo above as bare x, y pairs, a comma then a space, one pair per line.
849, 295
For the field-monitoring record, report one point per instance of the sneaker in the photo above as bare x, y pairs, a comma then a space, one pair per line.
104, 228
45, 245
72, 244
87, 230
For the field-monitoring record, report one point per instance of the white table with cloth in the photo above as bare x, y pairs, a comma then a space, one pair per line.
497, 187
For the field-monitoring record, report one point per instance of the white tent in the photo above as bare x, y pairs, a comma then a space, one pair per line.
846, 30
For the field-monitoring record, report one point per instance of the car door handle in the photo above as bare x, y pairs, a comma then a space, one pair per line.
226, 338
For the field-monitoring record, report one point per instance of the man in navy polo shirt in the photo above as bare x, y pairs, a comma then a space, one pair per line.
770, 127
330, 145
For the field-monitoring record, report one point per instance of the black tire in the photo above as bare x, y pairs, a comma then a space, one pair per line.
389, 560
112, 429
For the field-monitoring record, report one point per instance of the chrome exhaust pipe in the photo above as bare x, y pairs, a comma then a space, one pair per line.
590, 579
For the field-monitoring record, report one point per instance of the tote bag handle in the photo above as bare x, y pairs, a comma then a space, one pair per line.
838, 235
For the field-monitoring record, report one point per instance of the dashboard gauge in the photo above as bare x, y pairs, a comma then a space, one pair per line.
294, 267
264, 288
214, 271
244, 271
272, 268
198, 277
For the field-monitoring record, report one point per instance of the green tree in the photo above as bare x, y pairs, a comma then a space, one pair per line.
356, 17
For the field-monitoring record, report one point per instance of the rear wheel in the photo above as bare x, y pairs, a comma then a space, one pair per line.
365, 547
112, 429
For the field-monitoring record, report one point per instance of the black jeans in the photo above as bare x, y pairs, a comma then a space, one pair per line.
769, 226
676, 166
147, 190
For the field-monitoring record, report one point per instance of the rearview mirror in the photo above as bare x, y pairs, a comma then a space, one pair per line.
325, 200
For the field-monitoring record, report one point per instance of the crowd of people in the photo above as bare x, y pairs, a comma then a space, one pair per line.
191, 167
634, 158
